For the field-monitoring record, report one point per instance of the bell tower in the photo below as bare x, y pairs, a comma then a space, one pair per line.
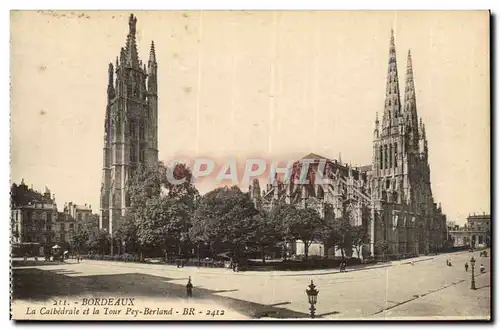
130, 129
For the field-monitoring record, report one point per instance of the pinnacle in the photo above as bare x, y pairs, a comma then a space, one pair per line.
409, 63
392, 48
392, 105
130, 46
152, 53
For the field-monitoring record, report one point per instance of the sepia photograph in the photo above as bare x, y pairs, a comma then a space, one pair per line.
246, 165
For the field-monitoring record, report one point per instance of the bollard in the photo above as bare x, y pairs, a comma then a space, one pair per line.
189, 288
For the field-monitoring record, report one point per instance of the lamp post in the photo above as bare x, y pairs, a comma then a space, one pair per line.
312, 295
473, 281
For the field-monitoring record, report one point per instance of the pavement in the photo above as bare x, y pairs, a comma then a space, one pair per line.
425, 288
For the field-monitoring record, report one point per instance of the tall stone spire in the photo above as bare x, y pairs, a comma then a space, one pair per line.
152, 70
131, 57
152, 54
410, 104
111, 89
392, 107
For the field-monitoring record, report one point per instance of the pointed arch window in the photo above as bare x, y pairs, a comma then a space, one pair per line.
133, 157
127, 199
132, 128
385, 156
141, 131
381, 158
117, 125
141, 155
390, 155
395, 155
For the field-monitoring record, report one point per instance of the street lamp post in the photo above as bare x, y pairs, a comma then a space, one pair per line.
312, 295
473, 280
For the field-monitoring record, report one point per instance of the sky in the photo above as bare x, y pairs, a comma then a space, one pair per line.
269, 84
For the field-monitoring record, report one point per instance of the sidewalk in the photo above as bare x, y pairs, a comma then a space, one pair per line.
227, 271
456, 301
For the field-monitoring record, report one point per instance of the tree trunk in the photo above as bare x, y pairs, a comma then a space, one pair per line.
306, 249
263, 254
284, 251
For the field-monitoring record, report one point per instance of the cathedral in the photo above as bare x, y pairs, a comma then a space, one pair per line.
391, 198
130, 127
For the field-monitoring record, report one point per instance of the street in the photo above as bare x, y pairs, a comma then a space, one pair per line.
425, 289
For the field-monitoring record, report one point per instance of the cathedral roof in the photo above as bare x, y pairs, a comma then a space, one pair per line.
365, 168
314, 156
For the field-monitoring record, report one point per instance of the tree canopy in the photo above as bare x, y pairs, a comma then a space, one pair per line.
225, 220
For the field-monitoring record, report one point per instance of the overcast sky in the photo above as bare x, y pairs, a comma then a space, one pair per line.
277, 85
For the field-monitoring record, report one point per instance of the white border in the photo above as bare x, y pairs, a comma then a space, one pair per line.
184, 4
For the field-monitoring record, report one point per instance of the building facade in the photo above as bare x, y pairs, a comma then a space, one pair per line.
391, 198
65, 227
130, 128
476, 233
33, 215
80, 213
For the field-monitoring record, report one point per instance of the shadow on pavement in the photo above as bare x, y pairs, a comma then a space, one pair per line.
41, 285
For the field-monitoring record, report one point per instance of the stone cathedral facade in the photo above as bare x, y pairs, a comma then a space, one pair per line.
130, 127
391, 198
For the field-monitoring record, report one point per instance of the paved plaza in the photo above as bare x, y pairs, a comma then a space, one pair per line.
426, 288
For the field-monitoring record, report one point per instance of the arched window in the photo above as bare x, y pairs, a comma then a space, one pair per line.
381, 158
141, 132
385, 156
395, 155
132, 128
133, 156
141, 155
127, 199
390, 155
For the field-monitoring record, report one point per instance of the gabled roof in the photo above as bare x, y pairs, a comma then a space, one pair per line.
314, 156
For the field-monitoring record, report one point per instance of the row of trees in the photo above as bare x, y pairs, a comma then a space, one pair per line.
176, 219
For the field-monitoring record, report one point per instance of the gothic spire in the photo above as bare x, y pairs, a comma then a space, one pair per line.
131, 56
152, 68
392, 107
410, 104
111, 89
152, 54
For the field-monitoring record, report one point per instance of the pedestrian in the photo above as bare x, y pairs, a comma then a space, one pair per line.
189, 288
466, 266
482, 269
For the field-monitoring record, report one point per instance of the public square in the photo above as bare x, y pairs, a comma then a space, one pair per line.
419, 288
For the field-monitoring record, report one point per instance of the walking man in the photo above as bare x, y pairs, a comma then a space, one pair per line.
189, 288
466, 266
